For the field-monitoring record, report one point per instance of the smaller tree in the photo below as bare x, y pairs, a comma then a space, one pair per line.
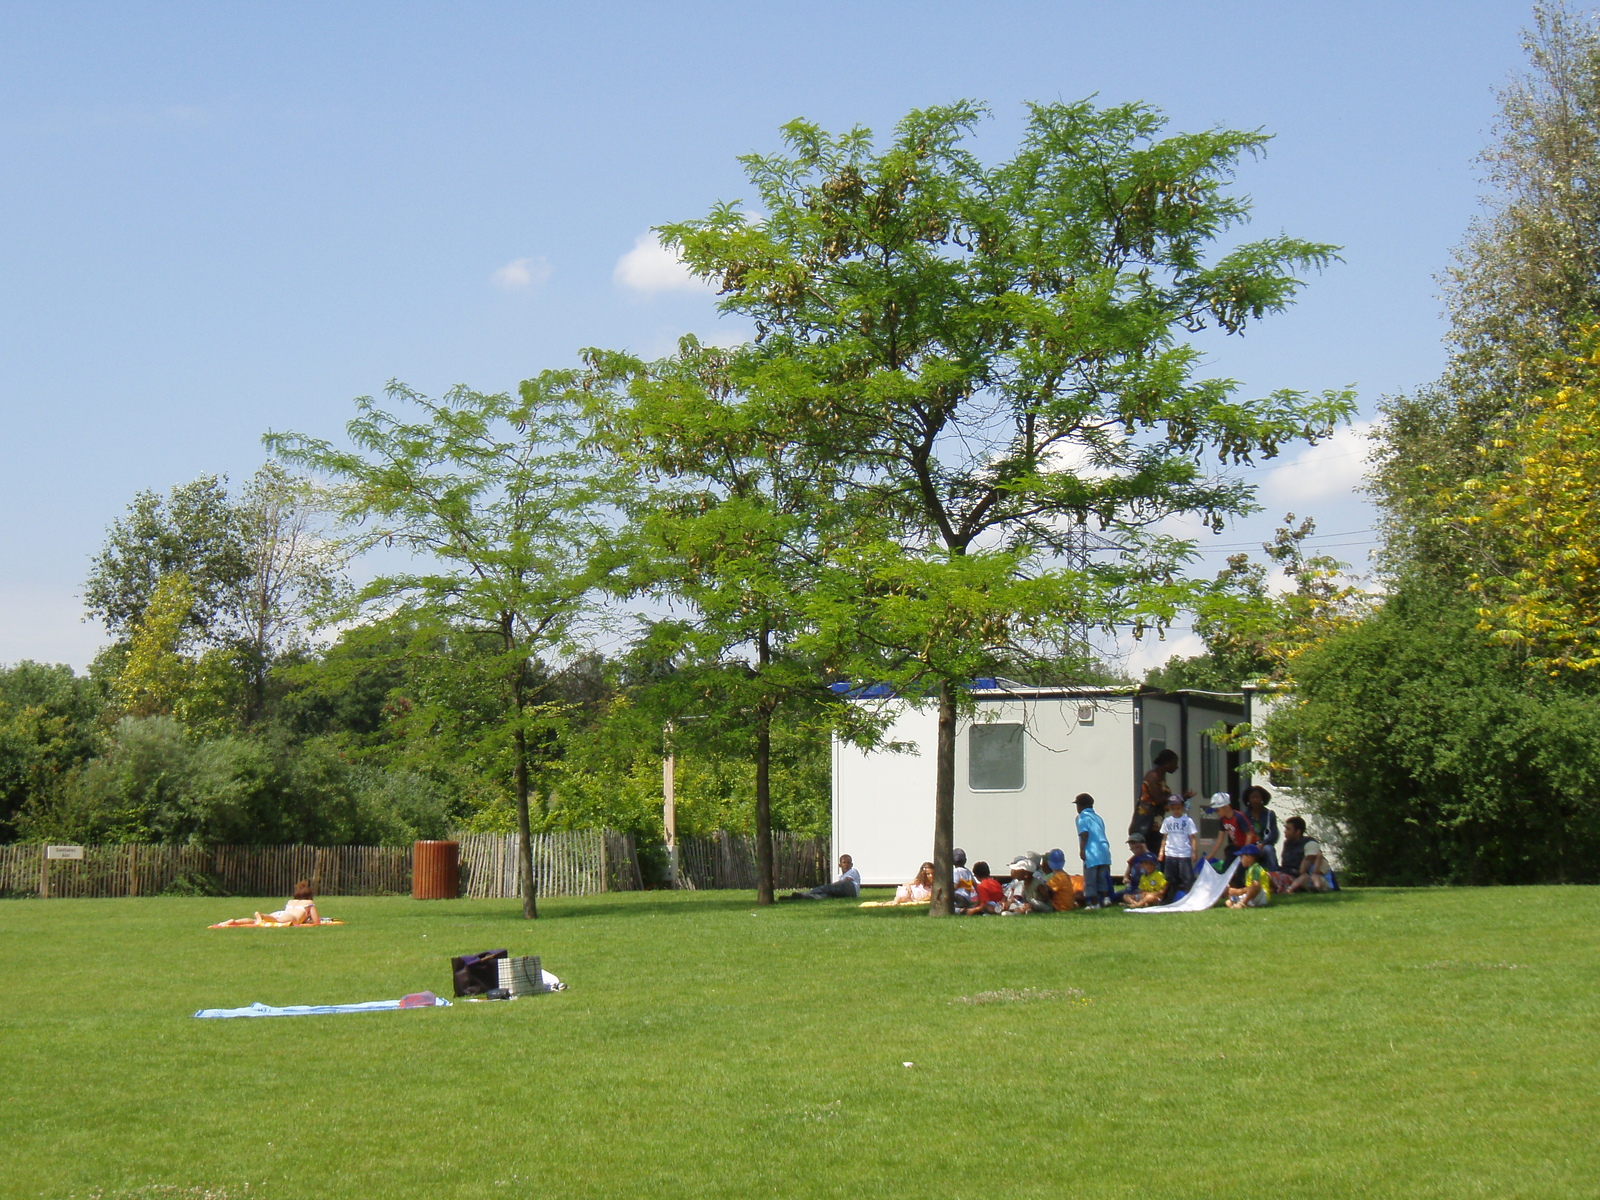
1530, 523
504, 517
743, 530
194, 532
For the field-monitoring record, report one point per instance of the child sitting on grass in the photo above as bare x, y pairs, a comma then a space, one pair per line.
1150, 887
966, 886
989, 896
1063, 893
1257, 889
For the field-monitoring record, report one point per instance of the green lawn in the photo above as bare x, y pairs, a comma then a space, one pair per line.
1377, 1043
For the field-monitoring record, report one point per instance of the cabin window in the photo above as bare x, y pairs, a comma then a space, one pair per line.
995, 758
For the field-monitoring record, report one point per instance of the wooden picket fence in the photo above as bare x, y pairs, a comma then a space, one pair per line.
728, 860
579, 862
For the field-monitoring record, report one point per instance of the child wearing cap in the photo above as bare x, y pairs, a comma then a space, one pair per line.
966, 887
1017, 900
990, 897
1180, 847
1096, 852
1063, 895
1257, 889
1151, 887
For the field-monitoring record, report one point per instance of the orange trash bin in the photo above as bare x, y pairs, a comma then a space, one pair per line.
435, 870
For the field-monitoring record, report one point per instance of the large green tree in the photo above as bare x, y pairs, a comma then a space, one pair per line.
503, 518
743, 526
1525, 277
995, 353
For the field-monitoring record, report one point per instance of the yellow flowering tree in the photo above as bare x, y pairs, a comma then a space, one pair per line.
1533, 518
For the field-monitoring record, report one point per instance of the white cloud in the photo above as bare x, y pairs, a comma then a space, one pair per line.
651, 267
522, 274
1332, 468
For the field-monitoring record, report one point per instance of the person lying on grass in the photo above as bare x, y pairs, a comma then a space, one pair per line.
990, 896
918, 891
1151, 886
300, 910
846, 887
1257, 889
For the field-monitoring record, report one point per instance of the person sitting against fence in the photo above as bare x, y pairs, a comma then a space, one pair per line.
1257, 889
1313, 874
966, 885
1063, 891
300, 910
1152, 884
918, 891
846, 887
990, 897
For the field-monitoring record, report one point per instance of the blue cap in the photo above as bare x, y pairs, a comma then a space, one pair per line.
1055, 860
1140, 858
1250, 848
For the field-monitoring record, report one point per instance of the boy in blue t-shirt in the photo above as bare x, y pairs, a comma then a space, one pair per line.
1096, 853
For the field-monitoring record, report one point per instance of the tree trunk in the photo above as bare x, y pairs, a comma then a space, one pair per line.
530, 903
764, 873
944, 807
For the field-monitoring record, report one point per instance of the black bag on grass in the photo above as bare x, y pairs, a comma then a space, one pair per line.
476, 974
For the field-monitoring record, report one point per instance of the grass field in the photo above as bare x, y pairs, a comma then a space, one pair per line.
1378, 1043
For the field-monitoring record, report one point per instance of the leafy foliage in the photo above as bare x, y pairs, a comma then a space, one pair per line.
1532, 523
1438, 757
992, 356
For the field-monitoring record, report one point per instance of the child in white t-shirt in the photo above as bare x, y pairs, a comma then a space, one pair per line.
1180, 847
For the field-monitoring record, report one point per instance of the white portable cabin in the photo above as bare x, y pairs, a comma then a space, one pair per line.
1019, 763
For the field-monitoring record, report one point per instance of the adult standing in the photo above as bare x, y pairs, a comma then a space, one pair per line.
1151, 806
1265, 824
1096, 852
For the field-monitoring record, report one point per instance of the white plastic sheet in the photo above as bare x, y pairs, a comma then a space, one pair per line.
1209, 884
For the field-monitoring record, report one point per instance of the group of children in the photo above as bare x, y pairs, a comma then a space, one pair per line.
1158, 871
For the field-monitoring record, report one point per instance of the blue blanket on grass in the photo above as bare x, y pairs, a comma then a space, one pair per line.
259, 1009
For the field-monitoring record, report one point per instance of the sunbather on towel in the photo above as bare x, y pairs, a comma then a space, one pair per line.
916, 891
300, 910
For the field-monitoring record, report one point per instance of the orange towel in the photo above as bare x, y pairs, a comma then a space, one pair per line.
252, 923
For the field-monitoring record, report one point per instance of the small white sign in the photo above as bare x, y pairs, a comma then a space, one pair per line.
63, 851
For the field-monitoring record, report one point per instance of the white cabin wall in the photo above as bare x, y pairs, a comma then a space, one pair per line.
1063, 758
883, 801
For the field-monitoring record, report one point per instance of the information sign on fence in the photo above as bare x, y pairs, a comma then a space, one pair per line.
63, 851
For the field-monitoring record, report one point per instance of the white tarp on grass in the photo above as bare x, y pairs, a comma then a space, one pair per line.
1209, 884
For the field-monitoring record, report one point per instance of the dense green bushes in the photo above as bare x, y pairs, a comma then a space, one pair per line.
1440, 756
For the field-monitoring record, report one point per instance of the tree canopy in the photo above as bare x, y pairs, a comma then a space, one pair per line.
994, 354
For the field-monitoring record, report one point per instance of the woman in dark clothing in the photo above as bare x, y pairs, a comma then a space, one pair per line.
1265, 823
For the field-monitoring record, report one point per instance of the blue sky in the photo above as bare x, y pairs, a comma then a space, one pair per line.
221, 219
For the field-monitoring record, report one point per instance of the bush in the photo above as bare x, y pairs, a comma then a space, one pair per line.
1441, 757
158, 783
